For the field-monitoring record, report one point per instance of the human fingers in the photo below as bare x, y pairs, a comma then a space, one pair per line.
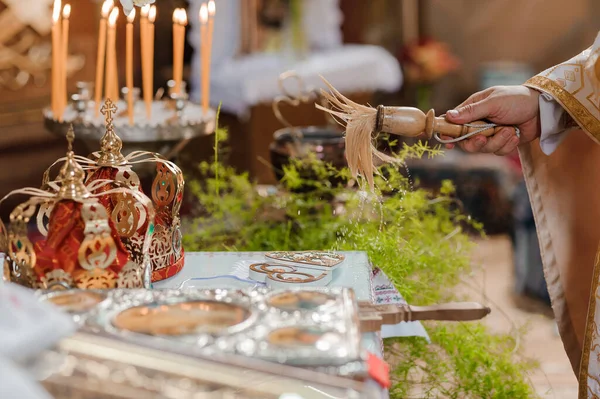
476, 97
449, 146
474, 144
470, 112
499, 140
509, 147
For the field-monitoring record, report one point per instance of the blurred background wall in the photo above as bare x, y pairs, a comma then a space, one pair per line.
538, 33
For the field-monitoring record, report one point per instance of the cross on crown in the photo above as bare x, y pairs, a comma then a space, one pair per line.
70, 137
108, 109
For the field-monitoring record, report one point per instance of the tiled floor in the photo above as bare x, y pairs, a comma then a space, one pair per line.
555, 379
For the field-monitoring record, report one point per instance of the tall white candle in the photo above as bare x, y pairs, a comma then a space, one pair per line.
101, 60
64, 58
111, 54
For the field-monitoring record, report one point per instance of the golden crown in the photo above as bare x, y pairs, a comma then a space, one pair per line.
64, 238
166, 254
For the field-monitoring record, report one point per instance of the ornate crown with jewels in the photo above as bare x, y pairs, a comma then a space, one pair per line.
63, 237
166, 251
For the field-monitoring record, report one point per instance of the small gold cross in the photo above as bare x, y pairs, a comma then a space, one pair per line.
108, 109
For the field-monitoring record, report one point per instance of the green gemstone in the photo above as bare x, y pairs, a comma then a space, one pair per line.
19, 244
151, 228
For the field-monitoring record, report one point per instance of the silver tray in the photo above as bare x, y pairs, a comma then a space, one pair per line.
105, 366
309, 328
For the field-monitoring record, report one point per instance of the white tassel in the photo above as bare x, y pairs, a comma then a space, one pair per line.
359, 121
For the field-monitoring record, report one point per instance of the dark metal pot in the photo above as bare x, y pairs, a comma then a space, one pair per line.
296, 143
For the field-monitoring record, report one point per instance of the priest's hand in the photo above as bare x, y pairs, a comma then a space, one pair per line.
504, 105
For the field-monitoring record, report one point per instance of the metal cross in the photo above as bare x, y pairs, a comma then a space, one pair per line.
108, 109
70, 137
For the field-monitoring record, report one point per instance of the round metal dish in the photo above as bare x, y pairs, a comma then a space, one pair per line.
304, 346
300, 300
75, 301
303, 337
183, 318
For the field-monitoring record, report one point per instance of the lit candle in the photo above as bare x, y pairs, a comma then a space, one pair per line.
56, 53
65, 56
176, 48
110, 56
116, 93
129, 65
150, 55
203, 55
179, 23
211, 23
100, 61
145, 10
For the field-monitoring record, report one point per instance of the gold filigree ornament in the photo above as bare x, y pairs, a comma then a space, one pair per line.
161, 247
56, 279
20, 255
95, 279
43, 218
129, 276
98, 249
127, 213
43, 242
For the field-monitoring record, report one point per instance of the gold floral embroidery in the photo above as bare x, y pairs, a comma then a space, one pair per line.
591, 336
578, 112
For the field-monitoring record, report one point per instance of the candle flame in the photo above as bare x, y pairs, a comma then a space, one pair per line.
212, 8
56, 11
67, 11
152, 14
183, 17
145, 10
131, 16
203, 14
114, 14
180, 16
106, 7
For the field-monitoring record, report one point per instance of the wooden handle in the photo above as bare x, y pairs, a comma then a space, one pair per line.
372, 317
412, 122
444, 128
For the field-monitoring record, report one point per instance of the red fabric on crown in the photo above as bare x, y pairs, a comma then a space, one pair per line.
65, 235
108, 173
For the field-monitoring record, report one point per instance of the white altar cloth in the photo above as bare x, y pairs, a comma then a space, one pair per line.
355, 273
240, 83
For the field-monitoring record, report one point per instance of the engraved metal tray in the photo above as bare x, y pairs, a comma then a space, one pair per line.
309, 328
102, 365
